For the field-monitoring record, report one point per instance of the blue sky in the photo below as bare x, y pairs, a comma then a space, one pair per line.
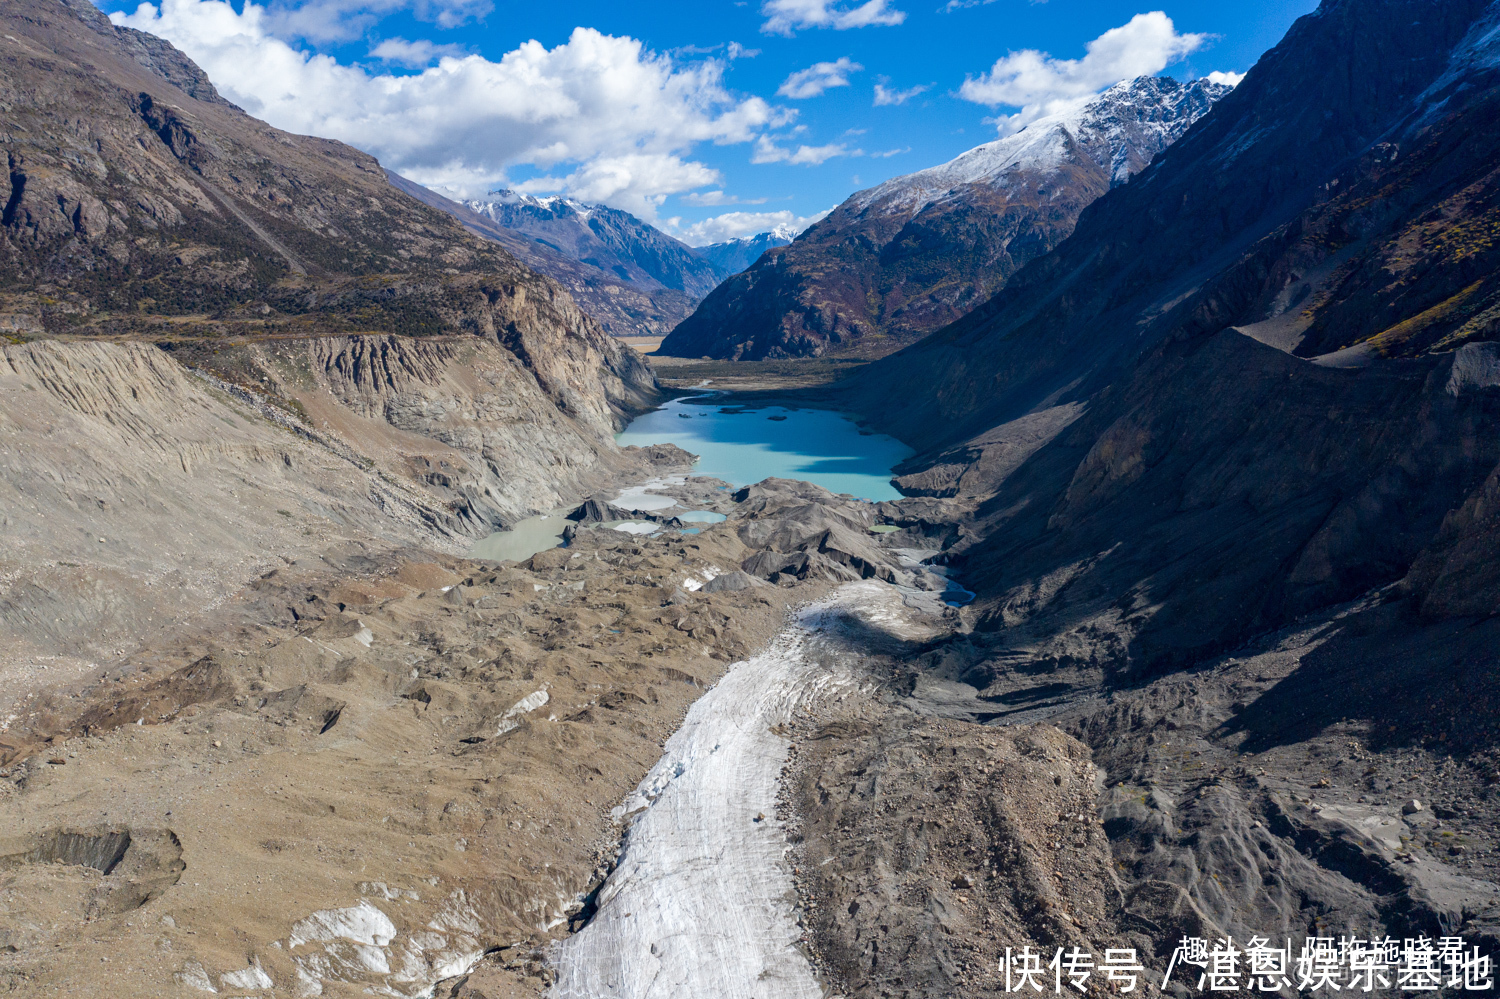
712, 118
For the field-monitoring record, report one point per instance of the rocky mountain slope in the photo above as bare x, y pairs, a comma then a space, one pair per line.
897, 261
734, 255
1157, 469
1327, 182
134, 208
252, 340
607, 238
1221, 469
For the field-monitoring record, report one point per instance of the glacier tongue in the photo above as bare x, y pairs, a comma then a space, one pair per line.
702, 900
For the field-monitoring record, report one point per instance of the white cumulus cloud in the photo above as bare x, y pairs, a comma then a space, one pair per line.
818, 77
1228, 79
345, 20
609, 119
785, 16
415, 54
732, 225
1039, 84
885, 96
767, 151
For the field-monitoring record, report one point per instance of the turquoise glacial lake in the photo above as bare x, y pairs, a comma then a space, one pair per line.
742, 446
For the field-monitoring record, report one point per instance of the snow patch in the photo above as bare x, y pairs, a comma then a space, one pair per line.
1122, 127
252, 977
507, 722
361, 924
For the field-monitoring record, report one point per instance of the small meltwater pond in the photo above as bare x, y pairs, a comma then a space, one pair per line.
740, 445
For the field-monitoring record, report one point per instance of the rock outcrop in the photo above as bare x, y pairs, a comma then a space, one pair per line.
896, 262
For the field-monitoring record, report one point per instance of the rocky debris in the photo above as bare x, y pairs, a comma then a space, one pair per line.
1203, 804
807, 532
731, 582
202, 468
304, 836
927, 846
597, 510
665, 456
893, 263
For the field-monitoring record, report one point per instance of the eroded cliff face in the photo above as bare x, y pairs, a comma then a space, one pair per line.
144, 486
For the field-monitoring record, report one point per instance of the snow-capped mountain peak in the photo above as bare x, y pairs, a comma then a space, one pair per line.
608, 239
1120, 130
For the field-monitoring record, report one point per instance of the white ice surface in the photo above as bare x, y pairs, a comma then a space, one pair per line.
507, 722
701, 903
252, 977
362, 923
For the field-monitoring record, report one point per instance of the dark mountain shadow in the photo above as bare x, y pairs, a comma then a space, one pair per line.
1436, 685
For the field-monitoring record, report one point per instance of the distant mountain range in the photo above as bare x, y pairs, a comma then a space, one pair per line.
735, 255
626, 273
605, 238
897, 261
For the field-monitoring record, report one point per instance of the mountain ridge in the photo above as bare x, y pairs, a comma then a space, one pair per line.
734, 255
894, 262
1208, 236
607, 238
621, 307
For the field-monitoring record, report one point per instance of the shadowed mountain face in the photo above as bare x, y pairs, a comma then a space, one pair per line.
893, 263
138, 203
1347, 163
1252, 384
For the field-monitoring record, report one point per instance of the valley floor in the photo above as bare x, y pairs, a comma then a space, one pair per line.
764, 759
